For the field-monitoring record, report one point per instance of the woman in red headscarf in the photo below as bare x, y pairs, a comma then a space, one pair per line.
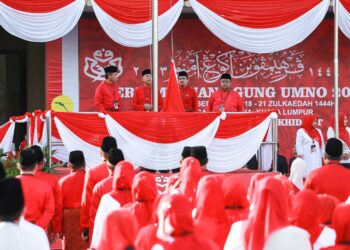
175, 228
344, 135
119, 231
210, 218
267, 226
310, 143
147, 236
327, 205
235, 200
119, 196
191, 175
144, 192
305, 214
341, 223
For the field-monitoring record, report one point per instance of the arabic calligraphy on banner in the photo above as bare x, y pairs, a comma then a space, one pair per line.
294, 81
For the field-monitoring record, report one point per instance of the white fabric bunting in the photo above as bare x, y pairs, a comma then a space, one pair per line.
262, 40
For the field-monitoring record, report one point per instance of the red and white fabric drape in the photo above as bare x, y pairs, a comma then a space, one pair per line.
130, 22
40, 20
157, 143
344, 16
261, 26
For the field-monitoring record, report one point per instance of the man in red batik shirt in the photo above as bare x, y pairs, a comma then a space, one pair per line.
225, 98
188, 94
107, 97
142, 100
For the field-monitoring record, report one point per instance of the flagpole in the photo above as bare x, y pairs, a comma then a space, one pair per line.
155, 54
336, 68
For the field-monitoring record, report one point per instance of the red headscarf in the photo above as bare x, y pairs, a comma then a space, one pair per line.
341, 223
122, 179
119, 231
327, 205
305, 213
270, 212
144, 192
253, 184
310, 129
189, 179
343, 133
210, 220
235, 199
176, 209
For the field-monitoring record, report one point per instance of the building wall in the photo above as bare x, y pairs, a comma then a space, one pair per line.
34, 67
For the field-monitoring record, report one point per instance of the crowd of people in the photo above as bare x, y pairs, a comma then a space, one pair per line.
116, 206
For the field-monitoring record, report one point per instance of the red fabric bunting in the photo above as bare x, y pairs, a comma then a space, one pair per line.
237, 124
88, 127
260, 13
133, 12
346, 4
37, 6
3, 130
163, 127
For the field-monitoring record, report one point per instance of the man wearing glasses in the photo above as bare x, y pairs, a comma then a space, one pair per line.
107, 97
225, 98
188, 94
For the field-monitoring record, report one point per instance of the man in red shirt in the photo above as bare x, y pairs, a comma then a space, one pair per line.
72, 189
188, 94
107, 97
105, 186
333, 178
225, 98
52, 180
92, 177
38, 198
142, 100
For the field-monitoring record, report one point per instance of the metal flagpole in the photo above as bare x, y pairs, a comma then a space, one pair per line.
155, 54
336, 68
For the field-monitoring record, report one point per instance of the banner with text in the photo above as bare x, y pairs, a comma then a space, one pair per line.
294, 81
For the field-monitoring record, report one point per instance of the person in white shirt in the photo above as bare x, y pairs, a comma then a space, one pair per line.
15, 232
298, 172
310, 143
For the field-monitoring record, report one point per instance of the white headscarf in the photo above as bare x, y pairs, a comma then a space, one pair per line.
298, 172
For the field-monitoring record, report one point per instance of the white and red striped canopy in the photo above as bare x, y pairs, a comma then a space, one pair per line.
260, 26
231, 139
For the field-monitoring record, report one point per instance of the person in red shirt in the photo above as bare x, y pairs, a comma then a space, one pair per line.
107, 97
71, 190
38, 198
104, 186
142, 100
92, 177
333, 178
188, 94
52, 180
225, 98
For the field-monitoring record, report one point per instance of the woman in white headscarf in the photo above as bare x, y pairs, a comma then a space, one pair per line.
298, 172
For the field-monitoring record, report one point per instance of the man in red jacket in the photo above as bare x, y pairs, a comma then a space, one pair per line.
333, 178
225, 98
52, 180
92, 177
142, 100
107, 97
72, 189
38, 198
188, 94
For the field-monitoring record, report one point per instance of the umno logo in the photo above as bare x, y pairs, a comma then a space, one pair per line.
94, 65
